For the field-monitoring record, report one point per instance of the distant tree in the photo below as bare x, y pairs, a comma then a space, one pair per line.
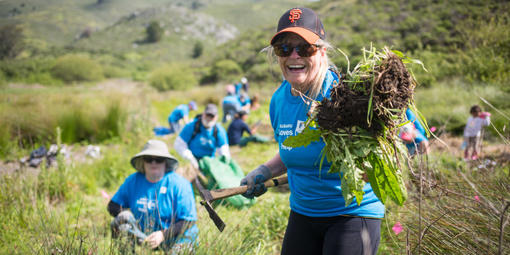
100, 1
198, 49
154, 32
11, 41
196, 4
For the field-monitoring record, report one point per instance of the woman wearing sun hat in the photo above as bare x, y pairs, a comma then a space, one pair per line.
319, 221
160, 200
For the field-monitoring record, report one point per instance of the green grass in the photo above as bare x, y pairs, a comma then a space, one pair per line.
447, 104
61, 210
31, 116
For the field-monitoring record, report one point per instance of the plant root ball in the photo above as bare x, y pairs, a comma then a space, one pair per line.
348, 107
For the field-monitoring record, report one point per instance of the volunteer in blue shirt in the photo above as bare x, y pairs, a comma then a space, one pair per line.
230, 104
414, 136
202, 137
242, 86
179, 113
160, 201
319, 221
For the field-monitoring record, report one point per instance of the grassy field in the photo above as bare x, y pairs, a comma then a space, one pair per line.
457, 208
97, 91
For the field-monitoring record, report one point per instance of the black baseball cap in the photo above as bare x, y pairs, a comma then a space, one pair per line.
302, 21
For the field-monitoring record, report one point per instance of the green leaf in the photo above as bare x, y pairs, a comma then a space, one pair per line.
398, 53
372, 172
304, 138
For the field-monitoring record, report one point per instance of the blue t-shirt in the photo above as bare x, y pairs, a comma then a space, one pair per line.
156, 205
239, 87
244, 99
314, 193
178, 113
232, 100
421, 135
204, 143
235, 131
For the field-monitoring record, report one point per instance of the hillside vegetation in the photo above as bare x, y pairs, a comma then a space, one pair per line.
111, 86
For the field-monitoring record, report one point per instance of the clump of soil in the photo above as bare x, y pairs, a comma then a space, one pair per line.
393, 88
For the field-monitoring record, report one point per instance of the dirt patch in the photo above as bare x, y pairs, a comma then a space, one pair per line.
452, 145
71, 154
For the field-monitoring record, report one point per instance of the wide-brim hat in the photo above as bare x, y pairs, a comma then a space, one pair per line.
155, 148
303, 22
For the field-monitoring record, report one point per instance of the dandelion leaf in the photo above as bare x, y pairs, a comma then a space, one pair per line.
307, 136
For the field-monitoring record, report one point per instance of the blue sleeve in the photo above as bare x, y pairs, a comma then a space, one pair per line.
412, 118
185, 111
186, 209
121, 197
420, 138
222, 136
187, 131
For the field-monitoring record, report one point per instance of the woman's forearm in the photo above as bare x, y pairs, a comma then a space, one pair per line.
276, 166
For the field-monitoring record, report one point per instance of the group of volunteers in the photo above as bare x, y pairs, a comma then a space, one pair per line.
163, 204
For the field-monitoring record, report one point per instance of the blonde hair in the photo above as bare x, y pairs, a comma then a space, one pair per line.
315, 87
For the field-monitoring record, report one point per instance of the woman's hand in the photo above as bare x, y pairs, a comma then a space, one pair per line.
155, 239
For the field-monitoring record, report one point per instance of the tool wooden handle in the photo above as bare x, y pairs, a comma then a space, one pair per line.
228, 192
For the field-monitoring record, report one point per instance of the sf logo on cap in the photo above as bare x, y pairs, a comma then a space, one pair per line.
295, 14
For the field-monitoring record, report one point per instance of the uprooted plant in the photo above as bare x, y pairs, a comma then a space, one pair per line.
359, 125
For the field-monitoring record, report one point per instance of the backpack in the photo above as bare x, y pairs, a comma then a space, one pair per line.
196, 129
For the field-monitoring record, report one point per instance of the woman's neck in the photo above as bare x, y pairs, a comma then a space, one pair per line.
297, 90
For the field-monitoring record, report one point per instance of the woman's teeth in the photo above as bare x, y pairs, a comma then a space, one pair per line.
296, 66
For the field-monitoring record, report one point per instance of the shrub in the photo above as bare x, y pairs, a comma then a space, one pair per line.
198, 49
34, 70
225, 70
264, 72
174, 77
154, 32
11, 41
70, 68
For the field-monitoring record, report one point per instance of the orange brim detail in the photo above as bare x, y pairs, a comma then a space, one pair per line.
309, 36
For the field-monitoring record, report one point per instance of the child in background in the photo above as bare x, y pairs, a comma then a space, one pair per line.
472, 131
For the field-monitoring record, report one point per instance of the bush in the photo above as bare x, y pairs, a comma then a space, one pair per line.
198, 49
225, 70
11, 41
264, 72
154, 32
71, 68
34, 70
174, 77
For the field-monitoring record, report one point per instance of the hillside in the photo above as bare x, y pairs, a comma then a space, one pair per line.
465, 46
115, 26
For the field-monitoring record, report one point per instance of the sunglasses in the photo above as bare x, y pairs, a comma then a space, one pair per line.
158, 160
303, 50
210, 116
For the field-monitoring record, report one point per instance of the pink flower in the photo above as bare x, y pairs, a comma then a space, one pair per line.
433, 129
397, 228
477, 198
105, 195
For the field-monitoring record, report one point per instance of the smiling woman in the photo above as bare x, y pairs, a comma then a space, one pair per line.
320, 222
156, 199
